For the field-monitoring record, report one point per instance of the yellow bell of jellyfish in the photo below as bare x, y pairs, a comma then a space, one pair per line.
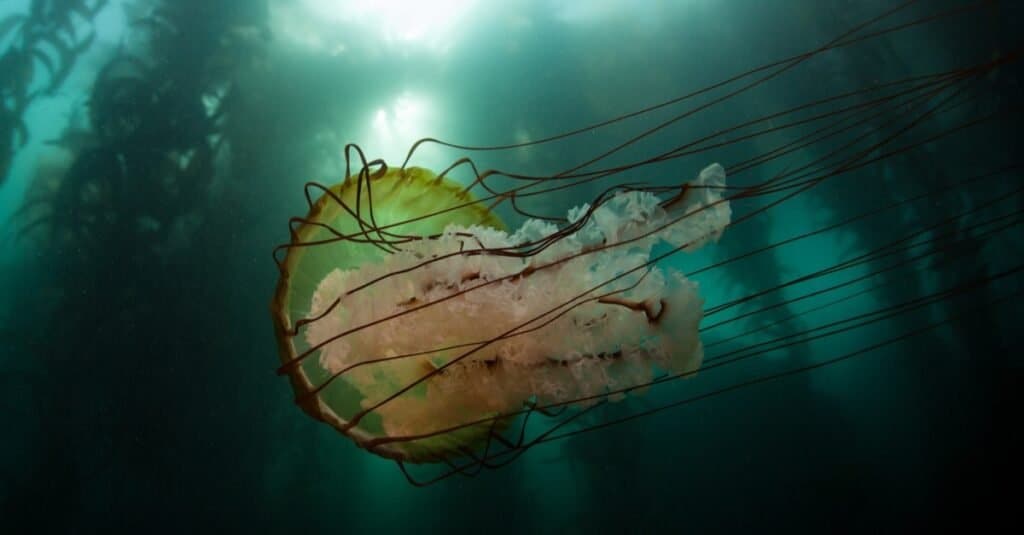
410, 319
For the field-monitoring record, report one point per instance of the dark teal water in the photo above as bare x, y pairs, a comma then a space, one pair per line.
155, 151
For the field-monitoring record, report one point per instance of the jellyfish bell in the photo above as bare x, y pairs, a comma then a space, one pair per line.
412, 320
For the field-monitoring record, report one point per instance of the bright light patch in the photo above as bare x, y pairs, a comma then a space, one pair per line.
396, 126
433, 25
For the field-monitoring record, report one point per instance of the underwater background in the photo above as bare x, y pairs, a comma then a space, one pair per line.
152, 152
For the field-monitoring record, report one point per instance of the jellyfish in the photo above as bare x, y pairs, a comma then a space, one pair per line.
484, 319
414, 319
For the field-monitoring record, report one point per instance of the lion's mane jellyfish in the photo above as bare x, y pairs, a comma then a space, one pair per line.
441, 327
